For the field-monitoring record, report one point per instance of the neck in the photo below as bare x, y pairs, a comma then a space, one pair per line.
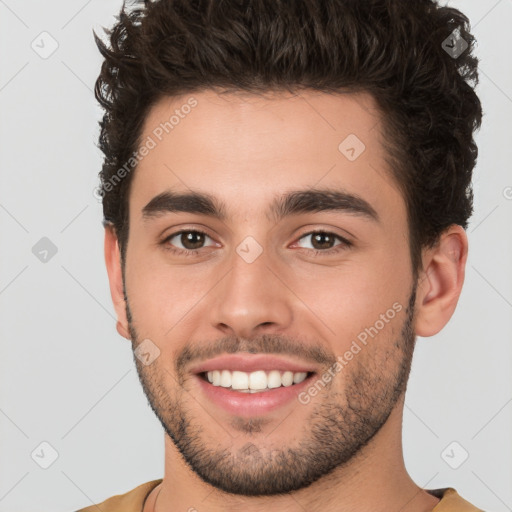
375, 479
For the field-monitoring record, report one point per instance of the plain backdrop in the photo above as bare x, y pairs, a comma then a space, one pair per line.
68, 380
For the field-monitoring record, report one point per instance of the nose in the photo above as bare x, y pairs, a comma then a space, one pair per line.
252, 298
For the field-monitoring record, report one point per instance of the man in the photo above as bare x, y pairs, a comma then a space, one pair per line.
286, 188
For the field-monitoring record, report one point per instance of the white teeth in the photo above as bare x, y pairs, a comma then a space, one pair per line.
287, 379
274, 379
239, 380
257, 380
225, 379
254, 381
299, 377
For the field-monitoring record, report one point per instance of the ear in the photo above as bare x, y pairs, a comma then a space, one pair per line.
115, 277
440, 282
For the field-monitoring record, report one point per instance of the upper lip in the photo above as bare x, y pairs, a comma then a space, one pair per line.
250, 363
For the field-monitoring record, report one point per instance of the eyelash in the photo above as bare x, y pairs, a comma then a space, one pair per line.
345, 244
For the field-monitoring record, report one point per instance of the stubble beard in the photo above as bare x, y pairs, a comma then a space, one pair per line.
340, 425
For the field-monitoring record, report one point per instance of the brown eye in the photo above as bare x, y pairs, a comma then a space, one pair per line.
324, 242
187, 240
192, 239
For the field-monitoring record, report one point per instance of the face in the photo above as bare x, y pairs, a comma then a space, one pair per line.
268, 281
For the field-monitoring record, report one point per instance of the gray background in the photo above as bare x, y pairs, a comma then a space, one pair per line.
68, 379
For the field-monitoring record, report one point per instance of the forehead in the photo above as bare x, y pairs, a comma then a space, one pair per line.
245, 148
277, 125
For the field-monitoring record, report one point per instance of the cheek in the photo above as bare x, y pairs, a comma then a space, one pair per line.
162, 296
352, 296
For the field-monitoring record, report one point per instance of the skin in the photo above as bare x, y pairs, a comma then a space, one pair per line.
244, 150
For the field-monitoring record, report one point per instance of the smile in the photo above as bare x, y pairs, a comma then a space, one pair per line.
254, 382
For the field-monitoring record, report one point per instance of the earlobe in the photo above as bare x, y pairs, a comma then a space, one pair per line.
122, 329
115, 277
440, 283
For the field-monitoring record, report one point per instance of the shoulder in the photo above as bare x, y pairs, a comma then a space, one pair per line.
131, 501
451, 501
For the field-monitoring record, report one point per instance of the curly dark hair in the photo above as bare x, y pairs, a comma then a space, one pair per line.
414, 57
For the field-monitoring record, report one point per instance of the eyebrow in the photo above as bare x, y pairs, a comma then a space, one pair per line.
291, 203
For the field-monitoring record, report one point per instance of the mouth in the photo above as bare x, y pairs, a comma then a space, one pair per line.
252, 385
258, 381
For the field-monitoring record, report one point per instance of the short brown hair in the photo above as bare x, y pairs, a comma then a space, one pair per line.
396, 50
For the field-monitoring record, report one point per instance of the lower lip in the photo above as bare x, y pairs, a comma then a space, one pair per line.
252, 404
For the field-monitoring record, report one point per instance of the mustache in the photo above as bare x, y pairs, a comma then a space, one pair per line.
264, 344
